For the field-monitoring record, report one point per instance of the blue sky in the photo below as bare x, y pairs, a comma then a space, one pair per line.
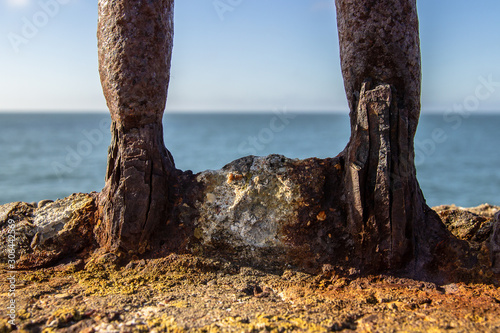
258, 55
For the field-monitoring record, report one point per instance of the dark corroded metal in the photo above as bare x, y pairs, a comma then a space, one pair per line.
135, 47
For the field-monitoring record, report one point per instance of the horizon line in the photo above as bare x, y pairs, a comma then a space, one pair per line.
222, 111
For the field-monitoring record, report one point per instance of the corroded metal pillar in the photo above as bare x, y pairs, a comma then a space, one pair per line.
135, 40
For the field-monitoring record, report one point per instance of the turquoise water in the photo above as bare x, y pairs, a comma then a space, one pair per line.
49, 156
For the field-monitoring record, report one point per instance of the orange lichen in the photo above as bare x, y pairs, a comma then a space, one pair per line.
321, 216
233, 177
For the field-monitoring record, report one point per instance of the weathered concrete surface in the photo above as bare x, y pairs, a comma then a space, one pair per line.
271, 212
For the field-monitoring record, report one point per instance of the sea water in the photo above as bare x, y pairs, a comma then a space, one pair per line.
50, 156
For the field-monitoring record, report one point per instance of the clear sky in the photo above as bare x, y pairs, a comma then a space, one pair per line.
249, 55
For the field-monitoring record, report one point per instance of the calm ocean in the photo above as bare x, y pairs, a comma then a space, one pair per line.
49, 156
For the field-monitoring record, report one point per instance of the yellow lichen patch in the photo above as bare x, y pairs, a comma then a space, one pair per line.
36, 276
186, 293
49, 330
165, 324
265, 323
23, 314
5, 326
65, 315
106, 282
179, 304
198, 233
475, 318
160, 276
435, 330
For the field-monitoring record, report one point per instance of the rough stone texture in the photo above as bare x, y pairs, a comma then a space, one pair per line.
273, 211
467, 225
477, 229
495, 244
269, 210
485, 210
64, 224
248, 206
22, 214
135, 47
185, 293
55, 231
